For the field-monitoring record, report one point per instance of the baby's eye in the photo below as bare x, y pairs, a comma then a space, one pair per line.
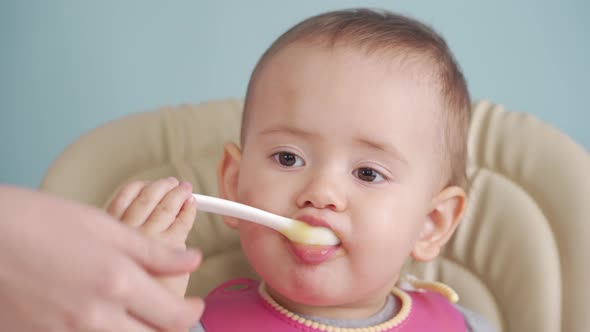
368, 174
288, 159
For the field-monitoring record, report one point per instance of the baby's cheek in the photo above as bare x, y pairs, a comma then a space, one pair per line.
256, 241
243, 194
381, 242
264, 196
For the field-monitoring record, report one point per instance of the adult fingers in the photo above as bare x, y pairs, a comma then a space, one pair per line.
145, 297
124, 321
159, 307
124, 198
156, 257
166, 212
141, 208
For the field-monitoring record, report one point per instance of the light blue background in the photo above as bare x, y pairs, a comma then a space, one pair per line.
69, 66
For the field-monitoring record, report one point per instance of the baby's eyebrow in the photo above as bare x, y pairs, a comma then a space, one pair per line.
382, 146
286, 130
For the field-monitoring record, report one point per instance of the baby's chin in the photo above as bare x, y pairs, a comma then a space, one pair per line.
332, 304
311, 287
293, 297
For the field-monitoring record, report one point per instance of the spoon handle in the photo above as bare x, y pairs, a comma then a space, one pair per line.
241, 211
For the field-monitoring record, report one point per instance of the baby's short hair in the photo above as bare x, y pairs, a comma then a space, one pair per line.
403, 38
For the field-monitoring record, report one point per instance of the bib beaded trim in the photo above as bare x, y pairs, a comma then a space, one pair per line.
406, 306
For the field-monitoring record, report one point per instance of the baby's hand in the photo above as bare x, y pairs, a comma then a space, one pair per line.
164, 210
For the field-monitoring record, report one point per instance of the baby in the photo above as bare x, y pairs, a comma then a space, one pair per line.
354, 120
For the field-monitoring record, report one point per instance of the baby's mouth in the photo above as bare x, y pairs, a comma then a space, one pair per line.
313, 254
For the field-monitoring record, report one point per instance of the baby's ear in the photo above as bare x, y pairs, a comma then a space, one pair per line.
443, 219
228, 172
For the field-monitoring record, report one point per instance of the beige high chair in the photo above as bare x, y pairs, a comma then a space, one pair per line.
520, 256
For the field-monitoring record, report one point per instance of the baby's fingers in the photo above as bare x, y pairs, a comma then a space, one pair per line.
147, 200
167, 211
179, 230
124, 198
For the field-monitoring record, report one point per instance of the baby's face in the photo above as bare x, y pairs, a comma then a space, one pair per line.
338, 139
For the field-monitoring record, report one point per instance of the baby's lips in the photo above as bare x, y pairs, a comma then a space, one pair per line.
314, 221
335, 235
313, 255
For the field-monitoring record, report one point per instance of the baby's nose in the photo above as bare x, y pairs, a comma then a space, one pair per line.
322, 193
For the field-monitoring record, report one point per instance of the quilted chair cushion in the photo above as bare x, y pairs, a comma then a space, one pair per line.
518, 256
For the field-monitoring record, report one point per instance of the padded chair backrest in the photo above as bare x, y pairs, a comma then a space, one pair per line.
518, 256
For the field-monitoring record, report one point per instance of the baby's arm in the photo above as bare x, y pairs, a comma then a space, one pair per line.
163, 210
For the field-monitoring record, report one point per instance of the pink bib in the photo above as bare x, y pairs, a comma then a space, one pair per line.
237, 305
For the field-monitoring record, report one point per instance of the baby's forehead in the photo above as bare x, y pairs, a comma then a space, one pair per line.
276, 70
348, 62
414, 65
410, 58
386, 104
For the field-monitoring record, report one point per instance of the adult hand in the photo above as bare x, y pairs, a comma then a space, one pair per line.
163, 210
69, 267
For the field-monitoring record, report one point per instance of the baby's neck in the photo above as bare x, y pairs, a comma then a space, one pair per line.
358, 310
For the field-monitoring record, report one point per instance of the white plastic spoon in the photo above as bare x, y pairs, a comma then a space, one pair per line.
295, 230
